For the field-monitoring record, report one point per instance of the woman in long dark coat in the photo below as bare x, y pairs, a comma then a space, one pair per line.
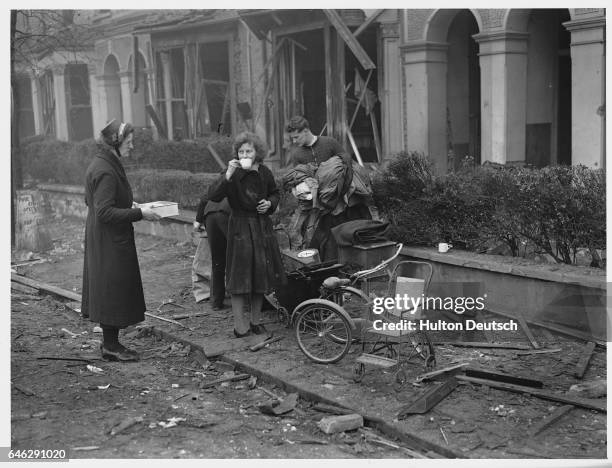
253, 262
112, 288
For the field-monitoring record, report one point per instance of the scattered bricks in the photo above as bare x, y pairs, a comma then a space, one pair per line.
346, 422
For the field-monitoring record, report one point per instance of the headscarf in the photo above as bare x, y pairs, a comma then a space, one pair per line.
114, 133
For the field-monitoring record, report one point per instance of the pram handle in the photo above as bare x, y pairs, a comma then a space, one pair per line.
360, 274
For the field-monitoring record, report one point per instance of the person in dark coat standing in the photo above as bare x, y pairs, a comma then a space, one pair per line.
214, 217
253, 260
112, 288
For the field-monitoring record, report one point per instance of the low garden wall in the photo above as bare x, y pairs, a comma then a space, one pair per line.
555, 295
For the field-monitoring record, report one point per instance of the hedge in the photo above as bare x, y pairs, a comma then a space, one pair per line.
63, 162
556, 210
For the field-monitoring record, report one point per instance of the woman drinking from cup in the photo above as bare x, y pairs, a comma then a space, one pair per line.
253, 262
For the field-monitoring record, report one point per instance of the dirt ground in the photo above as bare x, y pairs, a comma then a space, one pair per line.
58, 403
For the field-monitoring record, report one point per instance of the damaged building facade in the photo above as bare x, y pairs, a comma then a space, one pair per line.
501, 85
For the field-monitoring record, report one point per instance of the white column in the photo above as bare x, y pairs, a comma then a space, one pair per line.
425, 106
588, 91
391, 90
36, 106
59, 92
102, 100
503, 91
126, 96
149, 76
97, 112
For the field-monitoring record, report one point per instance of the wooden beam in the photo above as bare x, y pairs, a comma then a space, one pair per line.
269, 62
345, 33
556, 328
354, 146
361, 96
429, 375
368, 22
47, 288
543, 394
583, 362
158, 124
550, 419
480, 344
500, 377
429, 399
527, 331
215, 155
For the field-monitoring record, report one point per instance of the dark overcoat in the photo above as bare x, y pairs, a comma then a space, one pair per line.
253, 260
112, 288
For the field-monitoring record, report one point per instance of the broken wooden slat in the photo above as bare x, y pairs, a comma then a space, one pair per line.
500, 377
158, 123
354, 146
347, 36
232, 378
545, 395
487, 333
48, 288
527, 331
344, 422
583, 362
548, 420
361, 97
538, 351
323, 408
429, 399
377, 145
429, 375
367, 22
266, 342
555, 327
480, 344
24, 289
163, 319
215, 155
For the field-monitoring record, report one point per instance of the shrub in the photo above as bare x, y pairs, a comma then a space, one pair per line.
557, 209
399, 194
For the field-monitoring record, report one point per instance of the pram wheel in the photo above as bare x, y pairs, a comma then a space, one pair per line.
358, 372
323, 333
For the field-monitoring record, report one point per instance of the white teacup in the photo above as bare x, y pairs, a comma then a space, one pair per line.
246, 163
443, 247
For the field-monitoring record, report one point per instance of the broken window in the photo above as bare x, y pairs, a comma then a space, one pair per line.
47, 103
160, 92
213, 90
25, 111
78, 102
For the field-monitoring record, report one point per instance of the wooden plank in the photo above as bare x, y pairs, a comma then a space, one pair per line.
232, 378
269, 62
481, 344
501, 377
376, 137
539, 351
429, 399
550, 419
367, 22
527, 331
487, 333
543, 394
583, 362
352, 43
158, 124
44, 287
556, 328
361, 96
429, 375
216, 156
354, 146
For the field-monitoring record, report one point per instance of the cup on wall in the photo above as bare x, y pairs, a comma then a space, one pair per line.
443, 247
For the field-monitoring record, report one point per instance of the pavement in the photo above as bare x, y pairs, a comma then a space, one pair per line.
468, 423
